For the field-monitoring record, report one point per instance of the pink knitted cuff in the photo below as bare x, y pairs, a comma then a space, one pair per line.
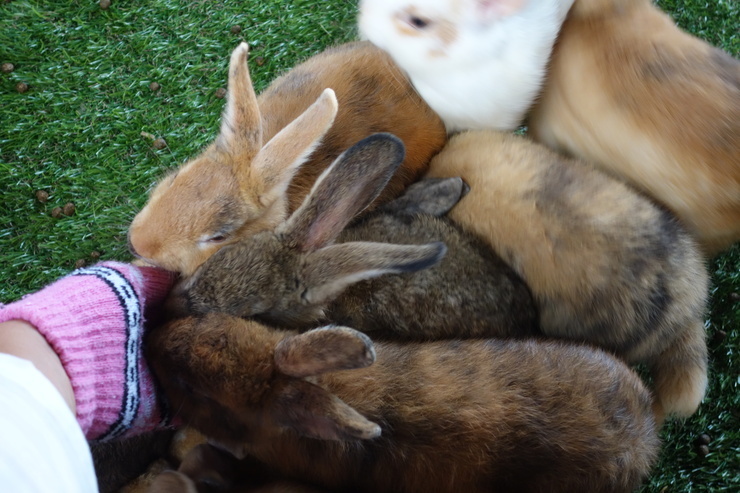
93, 319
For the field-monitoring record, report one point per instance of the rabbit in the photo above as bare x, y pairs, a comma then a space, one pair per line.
605, 265
279, 141
311, 270
632, 93
208, 468
474, 415
478, 63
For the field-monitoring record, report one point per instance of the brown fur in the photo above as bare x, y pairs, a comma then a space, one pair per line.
631, 92
119, 462
312, 270
236, 187
478, 415
603, 263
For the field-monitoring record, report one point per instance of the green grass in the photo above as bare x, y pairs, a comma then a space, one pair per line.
76, 134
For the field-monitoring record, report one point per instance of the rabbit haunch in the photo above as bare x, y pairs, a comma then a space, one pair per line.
271, 149
477, 63
311, 269
603, 263
631, 92
444, 416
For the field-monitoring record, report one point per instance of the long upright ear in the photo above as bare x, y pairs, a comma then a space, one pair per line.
324, 350
315, 413
330, 270
343, 190
433, 196
277, 162
241, 123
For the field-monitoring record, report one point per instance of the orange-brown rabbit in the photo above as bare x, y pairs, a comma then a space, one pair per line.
604, 264
446, 416
237, 185
631, 92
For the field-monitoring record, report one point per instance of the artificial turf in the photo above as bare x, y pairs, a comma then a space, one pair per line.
83, 130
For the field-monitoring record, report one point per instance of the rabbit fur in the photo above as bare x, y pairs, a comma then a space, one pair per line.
647, 102
478, 63
311, 269
604, 264
237, 186
445, 416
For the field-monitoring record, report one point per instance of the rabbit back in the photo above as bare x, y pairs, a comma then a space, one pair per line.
603, 262
373, 96
471, 292
631, 92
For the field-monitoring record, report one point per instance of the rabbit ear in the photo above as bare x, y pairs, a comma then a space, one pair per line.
241, 123
332, 269
489, 11
433, 196
277, 162
315, 413
324, 350
342, 191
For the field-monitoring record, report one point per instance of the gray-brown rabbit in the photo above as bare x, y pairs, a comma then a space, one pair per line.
604, 264
478, 415
271, 149
298, 275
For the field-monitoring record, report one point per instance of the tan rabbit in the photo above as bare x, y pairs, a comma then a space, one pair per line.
237, 186
311, 270
603, 263
208, 468
448, 416
631, 92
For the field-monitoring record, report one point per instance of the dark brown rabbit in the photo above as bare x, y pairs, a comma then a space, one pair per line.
604, 264
443, 416
277, 142
311, 270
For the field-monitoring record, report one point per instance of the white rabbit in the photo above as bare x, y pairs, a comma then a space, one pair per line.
478, 63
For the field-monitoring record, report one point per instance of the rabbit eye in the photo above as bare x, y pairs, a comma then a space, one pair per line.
418, 22
220, 238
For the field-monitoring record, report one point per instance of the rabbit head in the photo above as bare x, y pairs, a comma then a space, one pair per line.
290, 274
235, 188
274, 393
422, 35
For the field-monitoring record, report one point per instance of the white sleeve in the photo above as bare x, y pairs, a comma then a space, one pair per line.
42, 448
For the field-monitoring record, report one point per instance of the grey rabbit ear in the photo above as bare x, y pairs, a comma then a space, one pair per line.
433, 196
343, 190
324, 350
330, 270
315, 413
